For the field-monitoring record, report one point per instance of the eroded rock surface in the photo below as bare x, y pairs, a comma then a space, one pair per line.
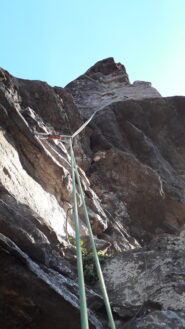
131, 160
105, 83
141, 175
35, 195
137, 166
149, 283
34, 296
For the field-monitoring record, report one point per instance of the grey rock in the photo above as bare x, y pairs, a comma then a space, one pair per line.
161, 319
36, 296
131, 162
149, 281
105, 83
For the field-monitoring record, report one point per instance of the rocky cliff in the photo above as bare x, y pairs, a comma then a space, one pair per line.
131, 160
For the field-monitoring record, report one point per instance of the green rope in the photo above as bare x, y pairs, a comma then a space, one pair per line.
96, 259
83, 304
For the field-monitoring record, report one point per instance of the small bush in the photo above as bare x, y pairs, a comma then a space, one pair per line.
89, 267
90, 273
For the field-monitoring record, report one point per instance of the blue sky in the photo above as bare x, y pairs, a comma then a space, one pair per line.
57, 40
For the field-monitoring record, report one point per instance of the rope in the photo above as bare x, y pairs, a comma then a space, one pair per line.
74, 172
83, 304
85, 124
96, 259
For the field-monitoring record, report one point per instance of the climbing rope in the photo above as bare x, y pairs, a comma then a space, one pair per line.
75, 173
96, 259
83, 304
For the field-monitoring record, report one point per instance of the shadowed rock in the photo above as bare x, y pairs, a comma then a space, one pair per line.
131, 161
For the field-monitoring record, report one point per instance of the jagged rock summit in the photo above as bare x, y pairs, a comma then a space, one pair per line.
106, 67
131, 161
104, 83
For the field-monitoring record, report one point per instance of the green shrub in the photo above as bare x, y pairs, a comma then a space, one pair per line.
89, 267
90, 273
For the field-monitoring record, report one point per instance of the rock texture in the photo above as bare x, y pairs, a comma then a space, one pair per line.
105, 83
131, 160
149, 283
142, 168
36, 297
138, 157
35, 198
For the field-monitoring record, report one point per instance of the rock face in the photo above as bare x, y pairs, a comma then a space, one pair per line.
131, 161
149, 283
32, 296
35, 205
105, 83
142, 167
139, 175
